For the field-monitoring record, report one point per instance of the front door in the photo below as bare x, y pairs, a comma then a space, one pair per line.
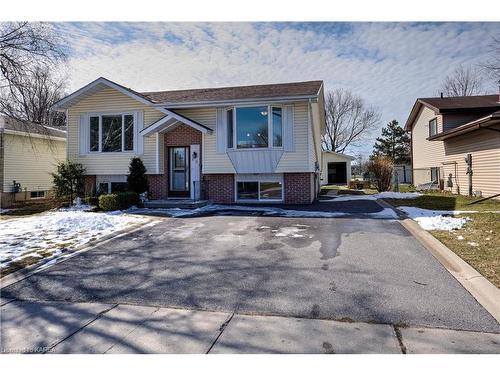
178, 172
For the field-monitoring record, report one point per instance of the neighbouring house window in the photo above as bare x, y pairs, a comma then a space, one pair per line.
434, 175
277, 127
271, 190
230, 134
259, 190
433, 127
252, 127
37, 194
111, 133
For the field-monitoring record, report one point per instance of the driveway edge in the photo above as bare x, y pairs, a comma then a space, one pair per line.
487, 294
26, 272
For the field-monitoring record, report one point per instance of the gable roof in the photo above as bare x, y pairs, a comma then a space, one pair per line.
294, 89
12, 125
478, 103
344, 156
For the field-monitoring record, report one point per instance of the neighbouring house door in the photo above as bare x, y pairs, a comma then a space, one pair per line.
178, 172
337, 173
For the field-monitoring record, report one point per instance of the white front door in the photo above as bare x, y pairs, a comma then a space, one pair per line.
195, 172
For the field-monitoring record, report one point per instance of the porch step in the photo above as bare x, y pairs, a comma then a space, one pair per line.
175, 203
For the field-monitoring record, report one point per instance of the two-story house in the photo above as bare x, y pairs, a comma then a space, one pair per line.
233, 144
455, 144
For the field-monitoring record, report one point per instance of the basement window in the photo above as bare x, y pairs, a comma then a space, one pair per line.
259, 190
37, 194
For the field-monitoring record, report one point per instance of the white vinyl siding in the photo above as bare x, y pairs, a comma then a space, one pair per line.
112, 101
299, 159
30, 162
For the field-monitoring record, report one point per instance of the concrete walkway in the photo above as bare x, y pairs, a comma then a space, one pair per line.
59, 327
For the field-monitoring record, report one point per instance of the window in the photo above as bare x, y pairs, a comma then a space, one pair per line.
37, 194
111, 133
103, 188
259, 190
433, 127
252, 127
277, 127
434, 175
117, 187
230, 134
94, 133
271, 190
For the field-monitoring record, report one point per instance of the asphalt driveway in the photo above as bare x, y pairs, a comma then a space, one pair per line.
349, 269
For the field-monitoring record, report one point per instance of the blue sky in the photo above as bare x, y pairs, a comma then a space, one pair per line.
388, 64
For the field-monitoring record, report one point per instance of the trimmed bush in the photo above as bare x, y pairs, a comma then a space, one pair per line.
91, 200
109, 202
127, 199
118, 201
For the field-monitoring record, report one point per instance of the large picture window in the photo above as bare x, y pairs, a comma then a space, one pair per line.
252, 127
259, 190
111, 133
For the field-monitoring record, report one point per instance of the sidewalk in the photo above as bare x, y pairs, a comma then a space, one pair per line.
58, 327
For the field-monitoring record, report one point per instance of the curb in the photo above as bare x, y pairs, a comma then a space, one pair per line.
487, 294
35, 268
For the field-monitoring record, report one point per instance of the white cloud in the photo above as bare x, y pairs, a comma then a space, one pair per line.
389, 64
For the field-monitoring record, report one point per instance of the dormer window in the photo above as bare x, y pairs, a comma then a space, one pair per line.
433, 127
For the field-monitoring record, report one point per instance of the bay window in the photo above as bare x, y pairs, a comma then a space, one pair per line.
255, 127
111, 133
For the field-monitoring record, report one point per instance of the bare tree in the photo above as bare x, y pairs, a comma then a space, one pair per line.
31, 100
348, 120
493, 65
464, 81
28, 54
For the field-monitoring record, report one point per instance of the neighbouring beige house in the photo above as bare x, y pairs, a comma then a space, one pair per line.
336, 168
28, 156
258, 143
456, 144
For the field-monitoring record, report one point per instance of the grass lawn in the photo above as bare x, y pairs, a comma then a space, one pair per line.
480, 246
342, 189
444, 201
478, 242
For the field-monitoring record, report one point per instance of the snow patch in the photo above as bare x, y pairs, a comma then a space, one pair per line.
435, 220
57, 231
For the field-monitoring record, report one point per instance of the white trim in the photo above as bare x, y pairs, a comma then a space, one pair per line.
187, 121
34, 135
154, 126
157, 135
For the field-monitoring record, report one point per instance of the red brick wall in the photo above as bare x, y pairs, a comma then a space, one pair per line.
219, 188
157, 186
183, 135
298, 188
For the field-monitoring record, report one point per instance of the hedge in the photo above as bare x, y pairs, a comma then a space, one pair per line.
118, 201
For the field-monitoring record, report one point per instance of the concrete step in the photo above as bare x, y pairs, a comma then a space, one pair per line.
175, 203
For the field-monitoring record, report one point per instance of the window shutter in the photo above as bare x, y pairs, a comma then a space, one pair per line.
288, 141
83, 135
220, 130
139, 139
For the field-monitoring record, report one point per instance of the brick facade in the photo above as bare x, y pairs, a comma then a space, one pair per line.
218, 188
299, 188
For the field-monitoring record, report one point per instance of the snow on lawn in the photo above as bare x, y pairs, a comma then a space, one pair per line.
52, 232
372, 197
435, 220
